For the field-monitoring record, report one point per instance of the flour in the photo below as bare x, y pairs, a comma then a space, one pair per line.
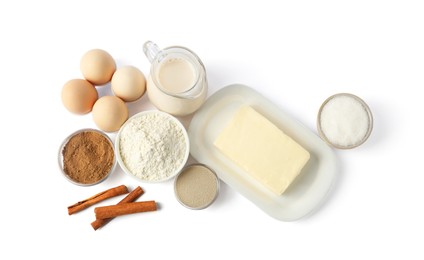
153, 146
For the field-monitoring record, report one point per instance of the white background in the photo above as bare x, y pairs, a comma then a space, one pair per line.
296, 53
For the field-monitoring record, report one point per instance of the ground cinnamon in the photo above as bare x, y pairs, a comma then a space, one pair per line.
122, 189
88, 157
132, 196
124, 209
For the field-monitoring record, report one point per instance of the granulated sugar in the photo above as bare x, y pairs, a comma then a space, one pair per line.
153, 146
345, 121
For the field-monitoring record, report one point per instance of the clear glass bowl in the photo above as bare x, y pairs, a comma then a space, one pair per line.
65, 142
370, 122
194, 191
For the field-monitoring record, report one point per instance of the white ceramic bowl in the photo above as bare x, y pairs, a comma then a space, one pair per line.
145, 177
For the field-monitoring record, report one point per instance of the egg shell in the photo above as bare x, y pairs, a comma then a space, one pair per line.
97, 66
109, 113
128, 83
79, 96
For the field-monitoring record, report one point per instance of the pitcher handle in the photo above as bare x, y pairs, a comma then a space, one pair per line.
151, 50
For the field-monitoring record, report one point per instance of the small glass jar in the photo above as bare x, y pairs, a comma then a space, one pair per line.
177, 81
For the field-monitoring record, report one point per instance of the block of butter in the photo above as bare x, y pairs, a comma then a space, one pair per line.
262, 150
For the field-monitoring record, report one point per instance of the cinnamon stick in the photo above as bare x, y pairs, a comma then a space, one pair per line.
81, 205
132, 196
124, 209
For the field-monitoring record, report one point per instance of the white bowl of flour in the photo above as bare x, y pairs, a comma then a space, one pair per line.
152, 145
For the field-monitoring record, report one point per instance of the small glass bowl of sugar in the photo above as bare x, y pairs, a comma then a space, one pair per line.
344, 121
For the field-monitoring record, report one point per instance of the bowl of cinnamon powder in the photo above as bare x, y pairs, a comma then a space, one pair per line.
87, 157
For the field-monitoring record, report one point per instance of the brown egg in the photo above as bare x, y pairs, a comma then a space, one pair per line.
97, 66
128, 83
109, 113
79, 96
